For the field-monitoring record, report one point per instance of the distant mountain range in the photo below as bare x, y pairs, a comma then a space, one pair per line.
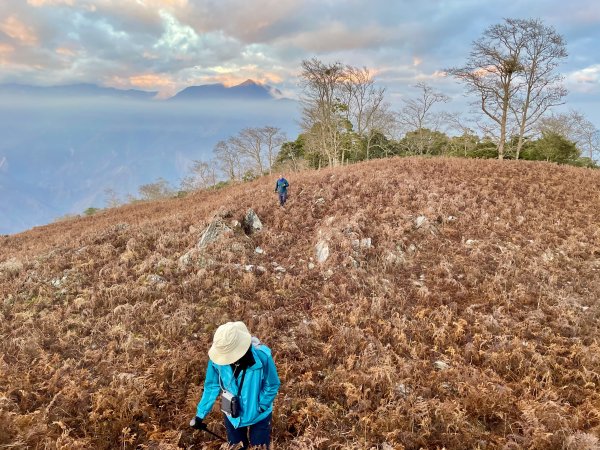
248, 90
62, 146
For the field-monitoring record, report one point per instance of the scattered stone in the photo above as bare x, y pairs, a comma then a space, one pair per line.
279, 269
471, 242
320, 201
259, 250
11, 266
420, 221
354, 262
155, 279
185, 259
235, 224
58, 282
365, 243
402, 389
251, 222
328, 274
322, 251
237, 247
213, 232
260, 269
311, 266
412, 248
451, 219
441, 365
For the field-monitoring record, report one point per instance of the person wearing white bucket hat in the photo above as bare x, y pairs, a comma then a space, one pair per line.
243, 371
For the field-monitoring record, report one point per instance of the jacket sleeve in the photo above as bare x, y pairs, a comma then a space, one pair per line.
270, 385
211, 391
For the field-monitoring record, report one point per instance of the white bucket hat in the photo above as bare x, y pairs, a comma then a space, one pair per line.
231, 341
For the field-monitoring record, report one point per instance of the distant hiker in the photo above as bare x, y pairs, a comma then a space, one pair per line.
281, 188
243, 371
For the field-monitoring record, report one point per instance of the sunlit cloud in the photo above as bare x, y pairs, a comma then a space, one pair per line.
585, 80
6, 49
17, 30
39, 3
64, 51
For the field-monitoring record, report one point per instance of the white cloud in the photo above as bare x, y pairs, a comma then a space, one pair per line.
585, 80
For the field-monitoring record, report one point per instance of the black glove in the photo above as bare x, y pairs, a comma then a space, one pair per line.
197, 423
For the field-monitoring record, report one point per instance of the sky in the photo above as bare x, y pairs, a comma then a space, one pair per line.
166, 45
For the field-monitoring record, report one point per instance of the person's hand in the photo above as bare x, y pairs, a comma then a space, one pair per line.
197, 423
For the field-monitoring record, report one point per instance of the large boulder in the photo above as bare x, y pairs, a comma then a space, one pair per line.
213, 232
251, 222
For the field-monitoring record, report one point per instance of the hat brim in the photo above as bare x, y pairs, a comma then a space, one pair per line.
223, 359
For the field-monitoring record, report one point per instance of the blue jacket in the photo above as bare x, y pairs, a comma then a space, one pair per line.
258, 391
281, 186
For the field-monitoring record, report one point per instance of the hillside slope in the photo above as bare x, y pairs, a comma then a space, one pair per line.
458, 308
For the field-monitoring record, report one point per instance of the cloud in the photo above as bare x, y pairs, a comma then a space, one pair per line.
585, 80
19, 31
40, 3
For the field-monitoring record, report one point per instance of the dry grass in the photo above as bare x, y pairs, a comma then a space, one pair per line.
501, 283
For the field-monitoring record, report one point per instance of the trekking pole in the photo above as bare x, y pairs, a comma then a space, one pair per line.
193, 422
214, 434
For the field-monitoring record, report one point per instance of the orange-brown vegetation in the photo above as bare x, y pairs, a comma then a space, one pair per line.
477, 329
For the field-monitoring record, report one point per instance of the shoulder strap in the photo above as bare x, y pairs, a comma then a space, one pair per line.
242, 382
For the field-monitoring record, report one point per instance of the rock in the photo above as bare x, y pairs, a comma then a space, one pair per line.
420, 221
260, 269
279, 269
251, 222
185, 259
235, 224
451, 219
11, 266
58, 282
365, 243
322, 251
311, 266
470, 242
213, 232
259, 250
402, 389
441, 365
155, 279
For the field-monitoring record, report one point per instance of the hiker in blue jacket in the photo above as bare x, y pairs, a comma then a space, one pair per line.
281, 188
240, 367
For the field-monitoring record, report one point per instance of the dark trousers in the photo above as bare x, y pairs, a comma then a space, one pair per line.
282, 198
260, 433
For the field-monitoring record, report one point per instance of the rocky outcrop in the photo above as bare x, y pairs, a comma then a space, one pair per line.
251, 222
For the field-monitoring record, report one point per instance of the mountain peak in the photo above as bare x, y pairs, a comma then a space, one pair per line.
249, 82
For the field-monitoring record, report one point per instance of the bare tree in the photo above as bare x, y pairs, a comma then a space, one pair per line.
467, 137
543, 49
511, 70
228, 160
203, 175
492, 73
155, 191
323, 121
249, 145
417, 116
273, 138
111, 198
366, 109
575, 127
